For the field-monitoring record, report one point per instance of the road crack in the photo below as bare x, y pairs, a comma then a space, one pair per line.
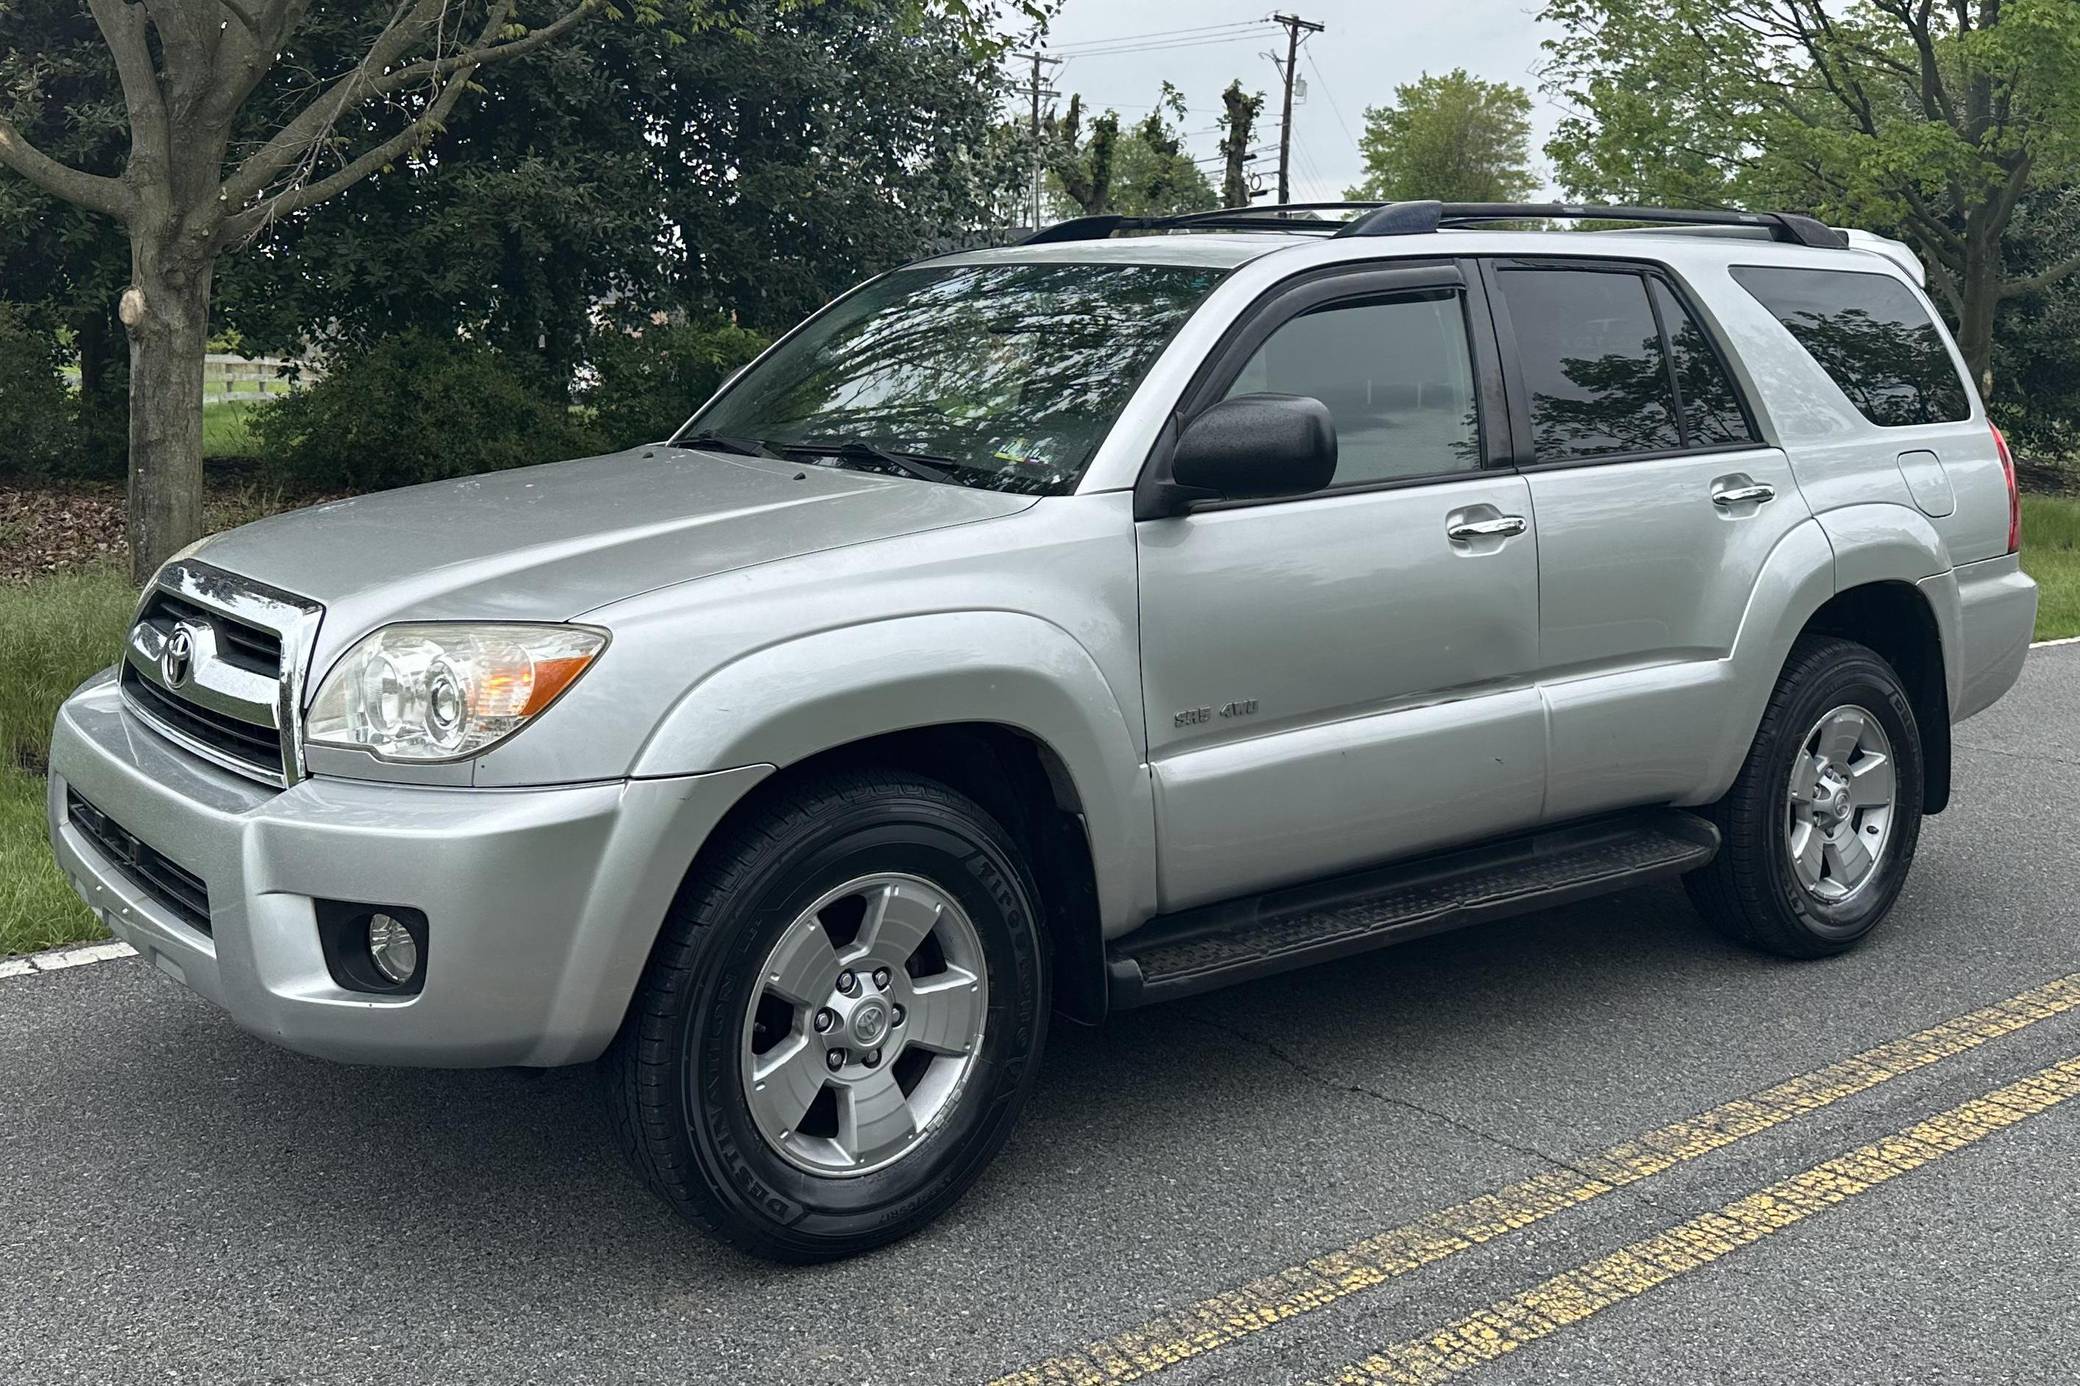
1332, 1083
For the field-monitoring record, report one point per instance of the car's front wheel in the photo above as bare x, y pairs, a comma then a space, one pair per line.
1820, 827
841, 1020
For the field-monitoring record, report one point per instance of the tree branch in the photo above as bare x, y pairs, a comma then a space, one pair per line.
1946, 283
249, 223
247, 20
377, 75
62, 181
2016, 288
123, 30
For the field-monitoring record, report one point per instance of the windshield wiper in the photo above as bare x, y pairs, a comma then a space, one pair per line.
723, 442
917, 464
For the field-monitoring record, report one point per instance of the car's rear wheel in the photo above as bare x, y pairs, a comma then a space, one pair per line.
1819, 828
841, 1020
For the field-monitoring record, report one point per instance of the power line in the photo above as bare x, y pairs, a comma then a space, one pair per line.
1156, 34
1323, 82
1213, 41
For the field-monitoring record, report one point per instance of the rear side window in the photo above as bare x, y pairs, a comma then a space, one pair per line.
1871, 334
1593, 362
1396, 375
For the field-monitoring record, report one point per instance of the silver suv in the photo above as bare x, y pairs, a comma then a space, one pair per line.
1063, 628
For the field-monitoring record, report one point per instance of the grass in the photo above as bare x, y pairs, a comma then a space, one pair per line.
53, 633
2051, 555
225, 432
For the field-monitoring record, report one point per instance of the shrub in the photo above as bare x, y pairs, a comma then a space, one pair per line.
42, 435
647, 384
415, 407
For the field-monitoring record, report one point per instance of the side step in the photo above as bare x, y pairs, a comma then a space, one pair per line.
1201, 949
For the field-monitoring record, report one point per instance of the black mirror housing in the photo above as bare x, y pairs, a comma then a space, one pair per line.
1256, 446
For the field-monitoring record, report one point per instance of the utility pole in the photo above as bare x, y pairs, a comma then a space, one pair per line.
1038, 60
1294, 24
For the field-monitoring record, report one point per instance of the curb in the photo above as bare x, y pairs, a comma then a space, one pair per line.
59, 959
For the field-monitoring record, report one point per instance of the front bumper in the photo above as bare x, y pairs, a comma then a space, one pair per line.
542, 904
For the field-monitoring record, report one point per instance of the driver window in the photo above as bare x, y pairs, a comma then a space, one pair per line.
1396, 375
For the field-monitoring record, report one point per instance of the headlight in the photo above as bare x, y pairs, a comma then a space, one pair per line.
446, 691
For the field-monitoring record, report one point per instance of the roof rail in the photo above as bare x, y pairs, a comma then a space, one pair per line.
1414, 218
1417, 218
1278, 216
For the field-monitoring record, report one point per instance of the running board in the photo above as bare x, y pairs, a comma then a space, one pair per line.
1216, 945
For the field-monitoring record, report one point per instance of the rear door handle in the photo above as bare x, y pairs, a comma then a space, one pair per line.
1757, 492
1501, 527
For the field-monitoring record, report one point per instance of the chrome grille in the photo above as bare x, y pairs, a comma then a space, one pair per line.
215, 663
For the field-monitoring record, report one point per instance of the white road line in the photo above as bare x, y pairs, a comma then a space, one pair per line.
2047, 644
58, 959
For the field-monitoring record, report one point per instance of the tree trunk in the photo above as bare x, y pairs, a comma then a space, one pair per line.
166, 310
1981, 291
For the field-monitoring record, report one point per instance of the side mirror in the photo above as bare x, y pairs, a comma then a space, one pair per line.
1254, 446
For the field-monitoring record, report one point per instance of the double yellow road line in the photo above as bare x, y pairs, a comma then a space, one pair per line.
1249, 1309
1572, 1296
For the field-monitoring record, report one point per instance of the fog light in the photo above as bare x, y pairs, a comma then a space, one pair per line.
392, 948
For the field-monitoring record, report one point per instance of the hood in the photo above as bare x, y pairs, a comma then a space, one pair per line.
553, 542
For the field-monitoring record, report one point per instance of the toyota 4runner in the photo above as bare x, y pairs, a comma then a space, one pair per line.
1063, 628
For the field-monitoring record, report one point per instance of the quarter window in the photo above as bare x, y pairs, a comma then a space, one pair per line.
1592, 359
1396, 375
1871, 335
1712, 415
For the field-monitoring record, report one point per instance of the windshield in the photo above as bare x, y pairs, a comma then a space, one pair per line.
1001, 376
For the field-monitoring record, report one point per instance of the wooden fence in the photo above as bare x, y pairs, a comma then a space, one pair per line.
226, 377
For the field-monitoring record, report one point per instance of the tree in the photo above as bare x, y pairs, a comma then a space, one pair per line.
1138, 170
1082, 165
242, 114
810, 147
1935, 120
187, 69
1152, 175
62, 264
1238, 122
1455, 138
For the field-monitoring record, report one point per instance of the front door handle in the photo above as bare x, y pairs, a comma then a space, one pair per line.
1501, 527
1756, 492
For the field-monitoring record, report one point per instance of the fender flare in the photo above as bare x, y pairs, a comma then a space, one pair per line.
783, 703
1865, 545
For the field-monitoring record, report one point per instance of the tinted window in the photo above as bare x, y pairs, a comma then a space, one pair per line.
1592, 359
1872, 335
1711, 407
1009, 374
1395, 374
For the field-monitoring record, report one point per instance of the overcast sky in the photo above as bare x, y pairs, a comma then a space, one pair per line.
1367, 49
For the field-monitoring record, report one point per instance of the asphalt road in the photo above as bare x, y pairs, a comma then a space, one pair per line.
179, 1202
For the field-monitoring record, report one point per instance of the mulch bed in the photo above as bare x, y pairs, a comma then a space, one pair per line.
46, 529
58, 526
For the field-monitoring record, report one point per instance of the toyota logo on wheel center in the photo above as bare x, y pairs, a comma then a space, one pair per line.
869, 1023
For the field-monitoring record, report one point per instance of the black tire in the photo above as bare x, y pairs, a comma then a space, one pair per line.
1751, 891
707, 1158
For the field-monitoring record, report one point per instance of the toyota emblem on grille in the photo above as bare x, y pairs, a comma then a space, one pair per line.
177, 660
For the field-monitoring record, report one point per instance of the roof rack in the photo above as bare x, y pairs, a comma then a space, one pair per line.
1417, 218
1280, 216
1411, 218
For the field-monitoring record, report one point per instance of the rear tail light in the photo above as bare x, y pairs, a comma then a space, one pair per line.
2014, 492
